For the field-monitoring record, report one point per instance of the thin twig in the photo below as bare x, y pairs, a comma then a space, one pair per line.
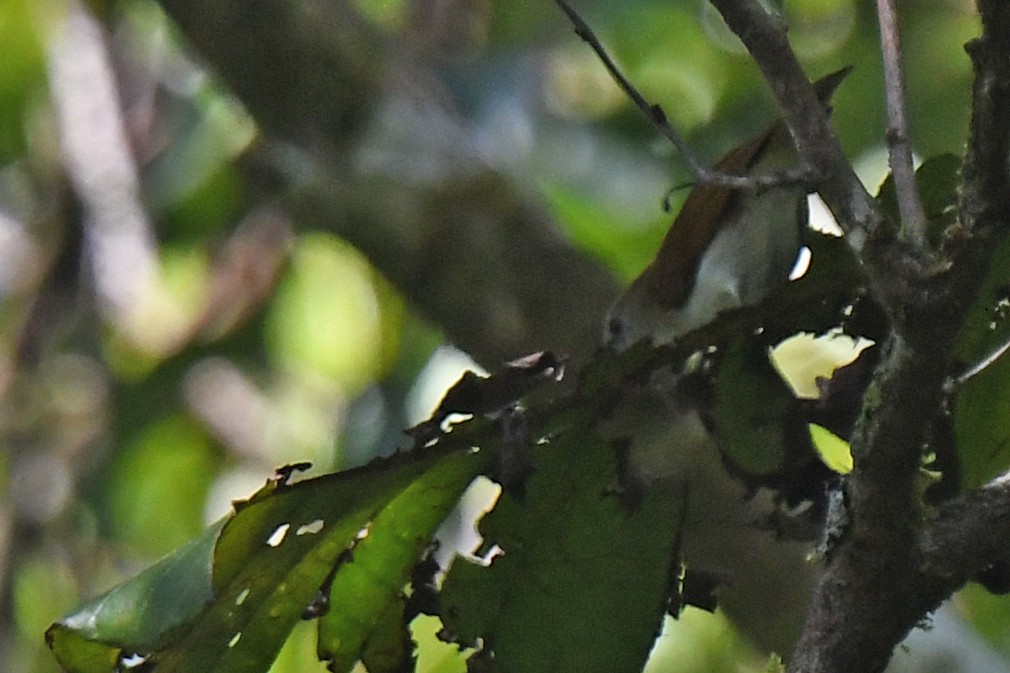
913, 216
855, 211
654, 113
979, 367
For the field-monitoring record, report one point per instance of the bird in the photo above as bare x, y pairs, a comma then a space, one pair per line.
727, 248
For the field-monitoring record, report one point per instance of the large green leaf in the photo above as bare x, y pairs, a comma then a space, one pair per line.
365, 596
583, 579
982, 411
227, 601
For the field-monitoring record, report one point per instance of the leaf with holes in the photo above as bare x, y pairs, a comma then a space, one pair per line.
366, 591
982, 423
583, 580
227, 601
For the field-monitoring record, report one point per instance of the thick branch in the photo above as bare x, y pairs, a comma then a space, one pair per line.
969, 534
985, 193
872, 594
472, 255
307, 71
874, 588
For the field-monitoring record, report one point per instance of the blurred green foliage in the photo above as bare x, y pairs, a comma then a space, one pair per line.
151, 513
276, 346
21, 78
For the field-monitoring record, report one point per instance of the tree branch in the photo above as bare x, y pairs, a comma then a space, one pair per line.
969, 534
874, 588
837, 184
985, 192
93, 139
655, 114
991, 358
913, 217
470, 253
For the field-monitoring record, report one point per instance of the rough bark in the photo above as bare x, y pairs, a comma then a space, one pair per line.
883, 578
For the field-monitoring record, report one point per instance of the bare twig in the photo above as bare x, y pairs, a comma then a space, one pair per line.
913, 217
988, 361
845, 196
702, 173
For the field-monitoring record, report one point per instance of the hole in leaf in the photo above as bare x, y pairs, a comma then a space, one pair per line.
234, 640
492, 553
128, 661
240, 599
310, 528
278, 535
802, 263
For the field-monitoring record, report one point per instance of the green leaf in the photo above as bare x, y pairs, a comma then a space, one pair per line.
583, 579
23, 75
981, 421
79, 654
833, 450
326, 317
227, 601
139, 615
752, 403
149, 510
592, 226
983, 425
366, 605
390, 648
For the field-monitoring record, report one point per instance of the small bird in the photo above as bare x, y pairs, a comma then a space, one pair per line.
727, 248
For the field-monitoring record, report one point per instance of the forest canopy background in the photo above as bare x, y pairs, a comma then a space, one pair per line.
283, 289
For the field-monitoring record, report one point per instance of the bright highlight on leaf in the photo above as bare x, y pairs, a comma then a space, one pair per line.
833, 450
804, 358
